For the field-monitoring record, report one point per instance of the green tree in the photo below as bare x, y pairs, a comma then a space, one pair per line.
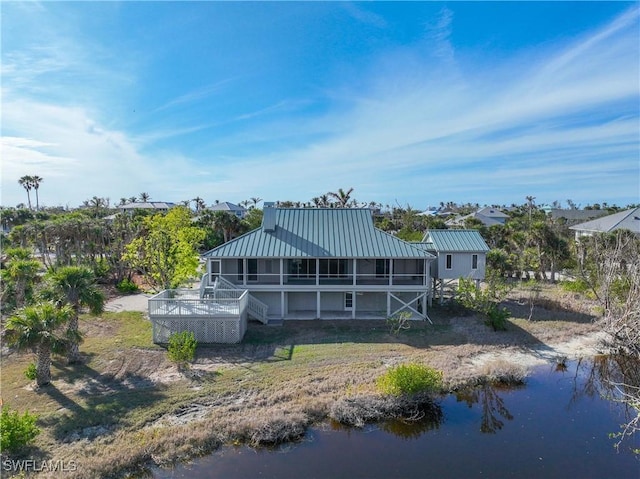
26, 182
342, 197
76, 287
18, 280
39, 328
35, 182
166, 250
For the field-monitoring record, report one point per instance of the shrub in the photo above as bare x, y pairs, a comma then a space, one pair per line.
182, 347
410, 379
485, 301
577, 286
31, 372
16, 431
398, 322
126, 286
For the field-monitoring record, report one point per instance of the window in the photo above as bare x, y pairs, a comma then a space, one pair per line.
215, 269
252, 269
382, 268
302, 268
474, 261
240, 270
333, 268
348, 301
449, 261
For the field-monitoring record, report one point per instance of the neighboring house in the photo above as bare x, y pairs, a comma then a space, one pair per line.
628, 220
160, 206
234, 209
460, 254
324, 263
573, 216
489, 216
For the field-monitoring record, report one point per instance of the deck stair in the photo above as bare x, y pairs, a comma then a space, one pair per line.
255, 308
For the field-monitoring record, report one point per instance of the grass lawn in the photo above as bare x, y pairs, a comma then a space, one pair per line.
127, 405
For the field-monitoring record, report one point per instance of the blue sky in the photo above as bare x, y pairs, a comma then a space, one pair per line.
410, 103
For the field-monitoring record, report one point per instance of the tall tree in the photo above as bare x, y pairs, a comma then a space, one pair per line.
167, 248
342, 197
199, 204
255, 200
40, 328
27, 183
75, 286
144, 197
35, 182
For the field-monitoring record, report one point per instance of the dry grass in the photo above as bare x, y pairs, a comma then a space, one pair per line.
127, 406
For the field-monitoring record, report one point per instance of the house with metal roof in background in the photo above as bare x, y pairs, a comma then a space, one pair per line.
627, 220
232, 208
488, 216
323, 263
157, 206
459, 253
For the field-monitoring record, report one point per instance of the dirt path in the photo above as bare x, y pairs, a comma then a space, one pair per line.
134, 302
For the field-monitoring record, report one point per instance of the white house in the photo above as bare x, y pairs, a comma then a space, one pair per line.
324, 263
232, 208
628, 220
488, 216
459, 253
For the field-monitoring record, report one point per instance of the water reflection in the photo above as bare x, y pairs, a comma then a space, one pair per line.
615, 377
406, 429
493, 409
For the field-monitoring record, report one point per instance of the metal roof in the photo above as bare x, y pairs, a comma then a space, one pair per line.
628, 219
226, 206
318, 233
456, 240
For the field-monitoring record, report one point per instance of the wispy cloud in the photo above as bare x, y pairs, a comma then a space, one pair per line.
194, 96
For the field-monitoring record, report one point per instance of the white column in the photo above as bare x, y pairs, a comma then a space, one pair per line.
318, 304
317, 271
281, 271
282, 303
244, 271
353, 305
388, 304
355, 272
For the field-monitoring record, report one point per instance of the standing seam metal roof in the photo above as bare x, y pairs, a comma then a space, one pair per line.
317, 233
456, 240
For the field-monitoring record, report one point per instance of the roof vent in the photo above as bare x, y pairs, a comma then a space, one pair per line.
269, 217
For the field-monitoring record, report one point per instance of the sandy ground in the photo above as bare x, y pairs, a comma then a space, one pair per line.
529, 356
583, 346
134, 302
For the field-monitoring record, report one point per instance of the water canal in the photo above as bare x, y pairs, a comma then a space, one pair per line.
558, 425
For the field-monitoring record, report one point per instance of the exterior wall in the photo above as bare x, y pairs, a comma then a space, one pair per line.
460, 266
301, 301
331, 301
271, 299
371, 303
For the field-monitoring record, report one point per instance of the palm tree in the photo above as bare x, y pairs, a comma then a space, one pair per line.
20, 275
145, 197
199, 204
39, 328
35, 182
255, 200
27, 184
341, 196
76, 287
